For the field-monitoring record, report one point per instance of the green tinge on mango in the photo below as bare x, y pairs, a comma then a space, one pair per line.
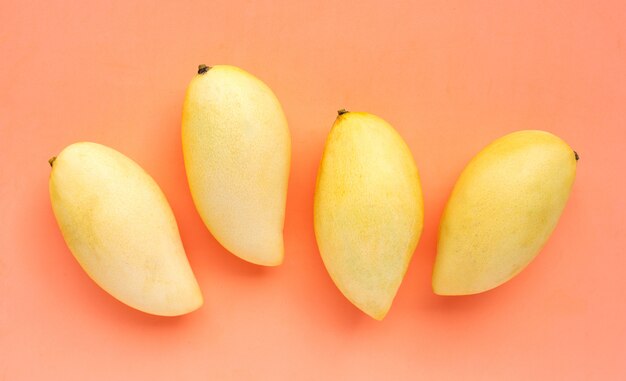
368, 210
237, 153
503, 208
120, 228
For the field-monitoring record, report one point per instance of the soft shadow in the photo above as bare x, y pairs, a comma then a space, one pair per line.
117, 313
471, 306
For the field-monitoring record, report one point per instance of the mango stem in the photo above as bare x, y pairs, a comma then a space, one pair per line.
203, 68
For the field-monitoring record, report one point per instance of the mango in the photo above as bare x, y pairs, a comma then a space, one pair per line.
368, 210
119, 226
502, 210
237, 152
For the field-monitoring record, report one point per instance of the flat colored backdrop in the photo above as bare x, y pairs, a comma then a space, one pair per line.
450, 76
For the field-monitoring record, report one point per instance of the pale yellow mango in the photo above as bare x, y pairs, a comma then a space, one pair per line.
119, 226
368, 210
237, 153
503, 208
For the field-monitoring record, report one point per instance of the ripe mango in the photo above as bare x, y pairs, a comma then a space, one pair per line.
237, 152
368, 211
502, 210
120, 228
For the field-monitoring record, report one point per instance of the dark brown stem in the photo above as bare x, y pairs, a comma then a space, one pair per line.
576, 155
203, 68
51, 161
342, 111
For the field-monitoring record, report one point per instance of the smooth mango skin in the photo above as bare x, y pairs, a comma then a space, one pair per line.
119, 226
237, 153
368, 211
502, 210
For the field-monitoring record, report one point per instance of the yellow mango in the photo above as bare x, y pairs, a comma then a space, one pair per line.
237, 153
120, 228
368, 210
502, 210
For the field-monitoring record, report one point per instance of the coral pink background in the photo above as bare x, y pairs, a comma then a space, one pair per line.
450, 75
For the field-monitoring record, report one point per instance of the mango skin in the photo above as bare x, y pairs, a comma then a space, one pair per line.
502, 210
119, 226
237, 151
368, 211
